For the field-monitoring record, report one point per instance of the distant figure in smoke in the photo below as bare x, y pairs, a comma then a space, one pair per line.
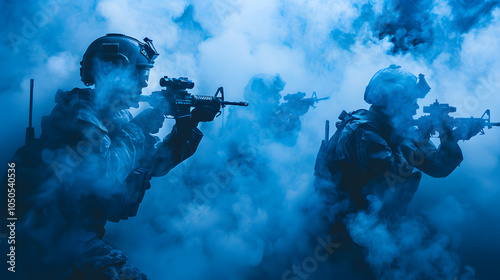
367, 165
247, 132
93, 162
270, 119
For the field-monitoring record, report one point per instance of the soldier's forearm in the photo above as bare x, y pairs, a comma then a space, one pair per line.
174, 149
443, 161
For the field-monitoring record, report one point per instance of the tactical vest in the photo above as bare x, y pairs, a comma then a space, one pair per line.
394, 190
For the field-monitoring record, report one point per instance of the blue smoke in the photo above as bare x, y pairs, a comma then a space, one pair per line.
214, 217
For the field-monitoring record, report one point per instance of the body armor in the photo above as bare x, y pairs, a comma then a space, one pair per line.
84, 170
366, 157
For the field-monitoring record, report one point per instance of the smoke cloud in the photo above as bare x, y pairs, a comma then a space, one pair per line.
254, 217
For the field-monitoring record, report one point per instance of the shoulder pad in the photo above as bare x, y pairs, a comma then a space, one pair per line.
344, 119
79, 100
362, 114
73, 95
373, 121
88, 114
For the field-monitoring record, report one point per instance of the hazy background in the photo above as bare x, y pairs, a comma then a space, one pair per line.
331, 47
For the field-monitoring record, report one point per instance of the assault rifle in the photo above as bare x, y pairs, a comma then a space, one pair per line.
298, 105
176, 102
439, 121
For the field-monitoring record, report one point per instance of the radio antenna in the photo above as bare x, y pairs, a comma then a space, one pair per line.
30, 131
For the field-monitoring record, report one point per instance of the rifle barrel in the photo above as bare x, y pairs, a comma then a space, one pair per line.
234, 103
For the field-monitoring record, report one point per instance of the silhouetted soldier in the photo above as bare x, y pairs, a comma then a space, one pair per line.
373, 154
93, 162
268, 118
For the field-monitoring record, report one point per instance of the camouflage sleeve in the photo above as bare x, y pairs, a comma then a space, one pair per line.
113, 152
435, 162
372, 153
174, 149
124, 151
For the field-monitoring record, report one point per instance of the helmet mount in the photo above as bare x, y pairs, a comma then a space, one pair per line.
393, 83
117, 49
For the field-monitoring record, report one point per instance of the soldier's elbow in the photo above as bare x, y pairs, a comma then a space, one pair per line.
438, 174
159, 172
441, 172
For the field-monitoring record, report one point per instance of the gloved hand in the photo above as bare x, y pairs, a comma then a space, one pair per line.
205, 113
467, 131
149, 120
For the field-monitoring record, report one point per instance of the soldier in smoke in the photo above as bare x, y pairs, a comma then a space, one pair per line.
368, 164
263, 95
270, 119
92, 164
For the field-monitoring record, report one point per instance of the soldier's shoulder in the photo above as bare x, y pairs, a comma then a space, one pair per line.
363, 120
77, 105
73, 97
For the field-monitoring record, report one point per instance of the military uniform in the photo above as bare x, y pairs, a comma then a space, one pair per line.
366, 156
84, 170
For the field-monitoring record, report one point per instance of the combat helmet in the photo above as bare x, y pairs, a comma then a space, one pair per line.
394, 82
117, 48
264, 86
